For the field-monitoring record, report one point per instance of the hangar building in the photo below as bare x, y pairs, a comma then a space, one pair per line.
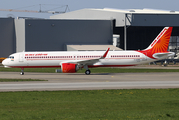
7, 37
80, 29
137, 27
17, 35
55, 35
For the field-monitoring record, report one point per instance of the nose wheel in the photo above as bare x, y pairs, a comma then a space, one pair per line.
87, 72
22, 71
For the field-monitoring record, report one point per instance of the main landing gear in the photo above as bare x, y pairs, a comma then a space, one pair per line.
22, 71
87, 72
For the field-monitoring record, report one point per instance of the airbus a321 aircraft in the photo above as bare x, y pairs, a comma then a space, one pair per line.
71, 62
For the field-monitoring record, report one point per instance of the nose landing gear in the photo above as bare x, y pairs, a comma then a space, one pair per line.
22, 71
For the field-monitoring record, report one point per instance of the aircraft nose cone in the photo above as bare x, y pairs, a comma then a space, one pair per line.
4, 62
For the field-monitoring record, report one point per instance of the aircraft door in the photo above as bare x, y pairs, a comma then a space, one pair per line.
76, 57
21, 57
144, 58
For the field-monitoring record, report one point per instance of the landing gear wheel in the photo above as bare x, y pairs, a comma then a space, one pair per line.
87, 72
22, 73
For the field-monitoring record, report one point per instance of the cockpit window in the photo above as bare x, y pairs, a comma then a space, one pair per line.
11, 57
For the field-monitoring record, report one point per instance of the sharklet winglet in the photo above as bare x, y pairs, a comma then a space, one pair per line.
105, 54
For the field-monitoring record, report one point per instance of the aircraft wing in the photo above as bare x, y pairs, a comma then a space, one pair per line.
81, 63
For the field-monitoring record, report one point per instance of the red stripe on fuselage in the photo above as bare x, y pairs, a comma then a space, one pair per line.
90, 66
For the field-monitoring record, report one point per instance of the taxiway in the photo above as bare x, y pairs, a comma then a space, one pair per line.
79, 81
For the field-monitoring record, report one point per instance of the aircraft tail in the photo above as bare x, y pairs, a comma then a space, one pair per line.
159, 45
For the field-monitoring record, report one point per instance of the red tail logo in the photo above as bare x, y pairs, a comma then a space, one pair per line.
160, 44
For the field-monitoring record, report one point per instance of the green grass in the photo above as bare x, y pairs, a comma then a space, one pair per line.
19, 80
93, 70
145, 104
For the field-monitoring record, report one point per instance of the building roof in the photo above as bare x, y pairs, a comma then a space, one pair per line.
145, 10
126, 17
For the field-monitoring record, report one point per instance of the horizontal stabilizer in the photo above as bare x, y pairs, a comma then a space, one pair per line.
163, 55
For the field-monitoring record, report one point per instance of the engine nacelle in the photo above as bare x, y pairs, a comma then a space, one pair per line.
69, 68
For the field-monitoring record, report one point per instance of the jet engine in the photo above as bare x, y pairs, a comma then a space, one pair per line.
68, 68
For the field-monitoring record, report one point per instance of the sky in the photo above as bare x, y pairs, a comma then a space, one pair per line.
80, 4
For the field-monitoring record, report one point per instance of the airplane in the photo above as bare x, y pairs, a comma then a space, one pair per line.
72, 61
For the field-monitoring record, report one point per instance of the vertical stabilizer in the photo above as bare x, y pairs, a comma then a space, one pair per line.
162, 40
160, 43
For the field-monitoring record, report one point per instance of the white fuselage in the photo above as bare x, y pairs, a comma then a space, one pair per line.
54, 59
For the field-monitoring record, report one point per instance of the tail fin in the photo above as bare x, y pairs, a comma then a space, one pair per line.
160, 44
